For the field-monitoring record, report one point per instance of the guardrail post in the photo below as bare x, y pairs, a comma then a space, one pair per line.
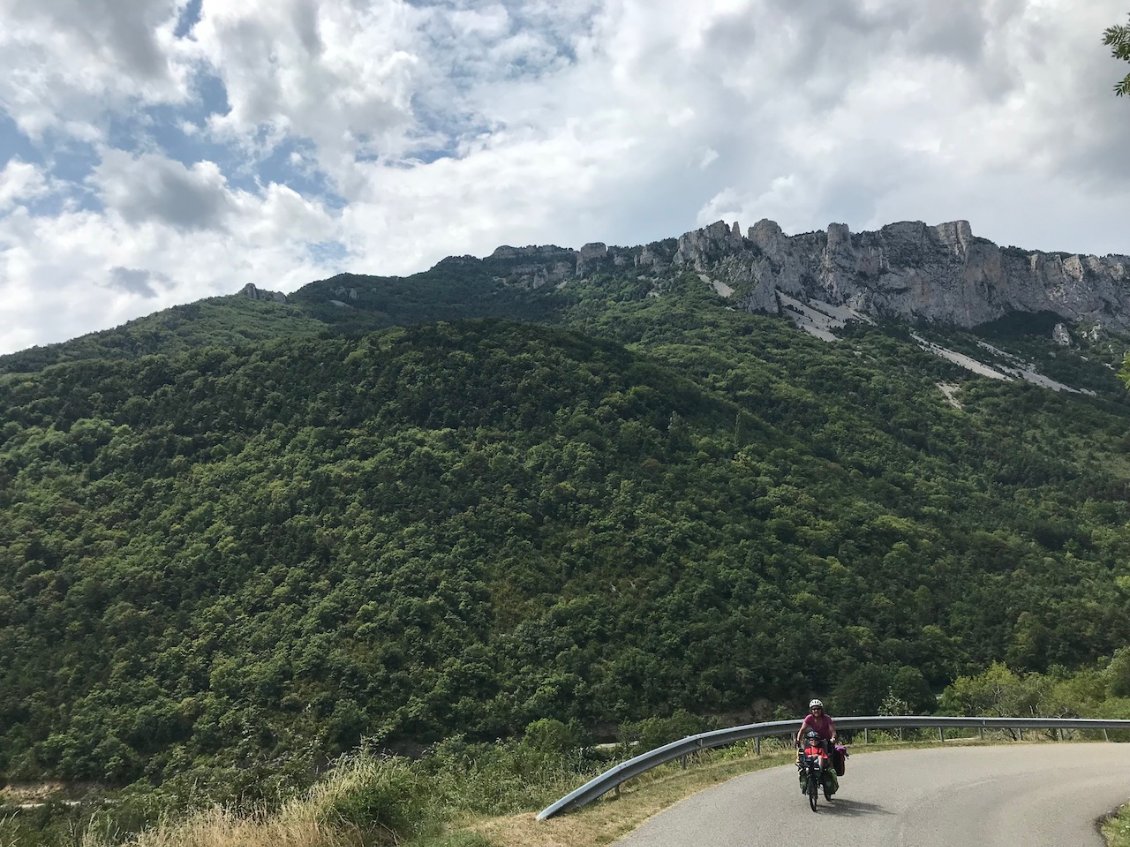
757, 745
942, 734
866, 736
981, 731
1106, 735
683, 761
1020, 730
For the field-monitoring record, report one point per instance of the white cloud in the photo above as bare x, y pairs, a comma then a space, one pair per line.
69, 63
150, 187
452, 128
141, 253
709, 156
339, 74
136, 281
935, 128
20, 182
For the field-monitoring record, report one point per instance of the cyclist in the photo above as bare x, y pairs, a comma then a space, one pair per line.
817, 719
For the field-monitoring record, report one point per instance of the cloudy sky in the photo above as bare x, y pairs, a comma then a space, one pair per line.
154, 152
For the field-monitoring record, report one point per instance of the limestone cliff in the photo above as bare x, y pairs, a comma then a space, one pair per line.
911, 270
907, 270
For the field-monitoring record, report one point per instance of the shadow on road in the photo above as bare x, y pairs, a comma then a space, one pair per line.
851, 808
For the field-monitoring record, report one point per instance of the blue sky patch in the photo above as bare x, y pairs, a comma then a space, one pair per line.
14, 144
189, 17
65, 159
303, 178
331, 253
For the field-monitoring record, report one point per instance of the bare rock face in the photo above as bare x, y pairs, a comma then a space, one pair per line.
656, 256
911, 271
907, 270
535, 266
254, 293
704, 248
590, 256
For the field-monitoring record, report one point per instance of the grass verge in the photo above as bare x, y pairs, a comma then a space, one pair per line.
614, 816
1116, 830
463, 796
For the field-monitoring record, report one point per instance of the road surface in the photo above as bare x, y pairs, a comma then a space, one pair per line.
1037, 795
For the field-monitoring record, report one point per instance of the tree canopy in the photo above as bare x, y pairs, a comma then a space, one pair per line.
236, 541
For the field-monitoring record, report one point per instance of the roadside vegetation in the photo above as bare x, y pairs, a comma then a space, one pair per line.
231, 553
1117, 829
459, 793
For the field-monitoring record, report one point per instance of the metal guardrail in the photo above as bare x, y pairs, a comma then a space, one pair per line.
624, 771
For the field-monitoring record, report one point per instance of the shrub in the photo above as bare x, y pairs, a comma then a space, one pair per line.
385, 799
1118, 673
651, 733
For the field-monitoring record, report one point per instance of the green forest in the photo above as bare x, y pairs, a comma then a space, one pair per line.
240, 537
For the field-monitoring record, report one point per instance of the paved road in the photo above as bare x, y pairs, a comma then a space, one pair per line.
1038, 795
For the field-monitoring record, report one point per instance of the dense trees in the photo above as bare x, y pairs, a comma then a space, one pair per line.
240, 557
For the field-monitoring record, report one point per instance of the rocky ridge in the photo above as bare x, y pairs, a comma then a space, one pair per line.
253, 292
909, 271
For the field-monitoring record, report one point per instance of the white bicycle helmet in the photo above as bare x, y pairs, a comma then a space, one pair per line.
812, 704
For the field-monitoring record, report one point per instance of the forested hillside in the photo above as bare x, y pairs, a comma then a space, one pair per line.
240, 555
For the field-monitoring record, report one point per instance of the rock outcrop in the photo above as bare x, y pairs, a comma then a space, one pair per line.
913, 271
908, 270
254, 293
534, 267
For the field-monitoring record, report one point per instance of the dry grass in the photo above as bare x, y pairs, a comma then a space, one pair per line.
308, 821
29, 792
220, 827
614, 816
312, 822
